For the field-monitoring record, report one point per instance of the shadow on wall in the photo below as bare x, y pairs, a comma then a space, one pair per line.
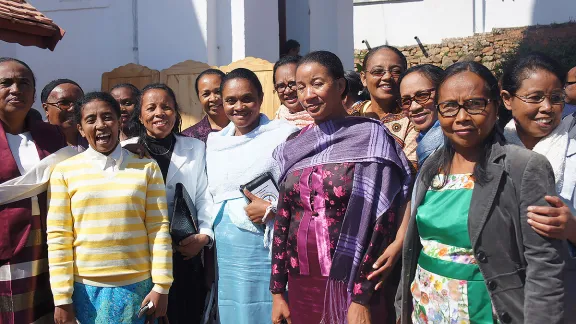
223, 15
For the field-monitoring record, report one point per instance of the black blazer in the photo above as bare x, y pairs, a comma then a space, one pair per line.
522, 270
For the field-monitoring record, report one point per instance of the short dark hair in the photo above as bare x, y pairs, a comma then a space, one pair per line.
490, 81
517, 70
330, 61
290, 44
355, 87
284, 60
95, 96
133, 88
431, 72
136, 127
242, 73
52, 85
204, 73
375, 50
11, 59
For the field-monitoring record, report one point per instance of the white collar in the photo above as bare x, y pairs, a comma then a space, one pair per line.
101, 160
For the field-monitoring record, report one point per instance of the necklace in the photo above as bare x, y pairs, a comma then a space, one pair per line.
154, 153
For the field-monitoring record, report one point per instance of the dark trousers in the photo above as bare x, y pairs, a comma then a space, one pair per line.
188, 291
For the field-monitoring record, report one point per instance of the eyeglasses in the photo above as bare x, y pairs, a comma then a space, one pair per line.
421, 97
473, 106
555, 98
380, 72
281, 87
63, 105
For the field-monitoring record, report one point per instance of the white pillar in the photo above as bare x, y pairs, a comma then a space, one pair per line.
331, 28
246, 28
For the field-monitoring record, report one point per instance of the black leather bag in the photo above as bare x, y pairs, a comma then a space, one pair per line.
184, 216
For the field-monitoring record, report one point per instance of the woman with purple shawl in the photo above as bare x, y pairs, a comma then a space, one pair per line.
343, 181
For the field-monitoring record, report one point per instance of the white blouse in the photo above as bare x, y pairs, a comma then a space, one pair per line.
26, 155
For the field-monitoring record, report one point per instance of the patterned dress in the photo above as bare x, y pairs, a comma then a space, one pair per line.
311, 210
399, 126
448, 286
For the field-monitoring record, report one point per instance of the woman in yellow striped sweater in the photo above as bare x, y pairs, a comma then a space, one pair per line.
109, 247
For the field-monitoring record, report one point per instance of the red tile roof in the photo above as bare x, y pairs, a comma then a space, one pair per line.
21, 23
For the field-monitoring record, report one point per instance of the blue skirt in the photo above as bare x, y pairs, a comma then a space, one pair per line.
95, 305
243, 274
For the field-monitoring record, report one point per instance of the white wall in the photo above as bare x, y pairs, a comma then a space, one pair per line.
96, 40
501, 14
396, 23
172, 32
331, 28
262, 29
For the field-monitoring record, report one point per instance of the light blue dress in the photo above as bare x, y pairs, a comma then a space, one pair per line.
243, 272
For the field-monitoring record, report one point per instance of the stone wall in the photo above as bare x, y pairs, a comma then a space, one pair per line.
491, 49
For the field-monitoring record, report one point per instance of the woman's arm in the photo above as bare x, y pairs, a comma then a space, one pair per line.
383, 232
544, 287
203, 199
60, 239
157, 226
279, 275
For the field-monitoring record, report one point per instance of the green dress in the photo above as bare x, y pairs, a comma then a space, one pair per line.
448, 286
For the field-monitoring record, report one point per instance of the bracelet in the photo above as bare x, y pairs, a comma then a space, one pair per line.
269, 209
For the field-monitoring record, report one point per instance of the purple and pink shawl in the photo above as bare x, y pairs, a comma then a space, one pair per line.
369, 144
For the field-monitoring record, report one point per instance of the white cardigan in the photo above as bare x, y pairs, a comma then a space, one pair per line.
188, 166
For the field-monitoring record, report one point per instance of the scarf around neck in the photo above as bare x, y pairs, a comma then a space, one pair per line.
379, 158
299, 119
554, 146
232, 161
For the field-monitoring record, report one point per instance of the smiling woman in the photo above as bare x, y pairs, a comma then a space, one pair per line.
469, 235
382, 67
235, 156
156, 120
90, 281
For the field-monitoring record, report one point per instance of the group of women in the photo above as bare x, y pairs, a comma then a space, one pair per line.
482, 218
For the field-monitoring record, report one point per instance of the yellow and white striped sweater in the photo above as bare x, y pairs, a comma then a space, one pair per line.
107, 229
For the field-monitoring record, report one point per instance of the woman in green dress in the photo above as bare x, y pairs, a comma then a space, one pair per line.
470, 255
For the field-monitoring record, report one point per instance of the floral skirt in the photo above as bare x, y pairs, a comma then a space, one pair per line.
443, 294
95, 305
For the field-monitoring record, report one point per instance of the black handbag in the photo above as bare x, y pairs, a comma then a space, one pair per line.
184, 216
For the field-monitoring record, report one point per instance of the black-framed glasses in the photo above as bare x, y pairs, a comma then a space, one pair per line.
63, 105
281, 87
474, 106
421, 97
556, 98
380, 72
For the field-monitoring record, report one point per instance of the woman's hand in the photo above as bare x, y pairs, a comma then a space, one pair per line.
192, 245
555, 221
138, 149
257, 208
358, 314
386, 262
280, 310
160, 302
64, 314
